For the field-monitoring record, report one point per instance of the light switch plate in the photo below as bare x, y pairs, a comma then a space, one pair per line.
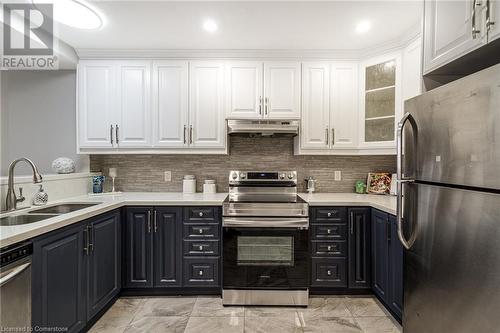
338, 175
167, 176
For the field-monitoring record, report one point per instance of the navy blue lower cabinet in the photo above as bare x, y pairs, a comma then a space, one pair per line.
138, 248
104, 261
387, 262
167, 229
359, 239
396, 270
380, 254
59, 279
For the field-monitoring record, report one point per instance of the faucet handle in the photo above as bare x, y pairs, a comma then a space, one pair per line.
20, 198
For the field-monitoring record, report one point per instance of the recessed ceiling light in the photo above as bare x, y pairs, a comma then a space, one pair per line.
363, 26
75, 13
210, 25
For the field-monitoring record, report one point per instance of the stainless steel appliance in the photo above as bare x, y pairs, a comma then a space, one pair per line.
449, 206
265, 239
15, 287
263, 127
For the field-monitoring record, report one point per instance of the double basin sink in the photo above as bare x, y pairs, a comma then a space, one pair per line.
43, 213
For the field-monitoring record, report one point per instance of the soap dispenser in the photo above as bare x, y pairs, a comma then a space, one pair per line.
41, 197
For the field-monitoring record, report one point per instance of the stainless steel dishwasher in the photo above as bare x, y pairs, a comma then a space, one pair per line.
15, 287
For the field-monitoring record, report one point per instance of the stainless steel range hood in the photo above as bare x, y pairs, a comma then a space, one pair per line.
263, 127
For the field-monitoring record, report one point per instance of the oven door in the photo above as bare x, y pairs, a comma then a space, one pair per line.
265, 257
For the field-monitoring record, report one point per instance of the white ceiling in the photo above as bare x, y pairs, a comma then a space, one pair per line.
256, 25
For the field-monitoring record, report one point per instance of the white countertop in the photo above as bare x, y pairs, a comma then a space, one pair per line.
13, 234
386, 203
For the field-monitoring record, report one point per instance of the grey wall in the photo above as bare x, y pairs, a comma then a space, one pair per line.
145, 172
38, 119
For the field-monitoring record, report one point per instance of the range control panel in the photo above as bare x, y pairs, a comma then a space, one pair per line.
14, 253
262, 176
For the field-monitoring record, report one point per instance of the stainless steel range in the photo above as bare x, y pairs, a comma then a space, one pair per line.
266, 233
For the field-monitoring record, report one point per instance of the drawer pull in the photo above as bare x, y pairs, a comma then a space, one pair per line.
328, 272
201, 214
200, 273
201, 247
329, 214
329, 248
200, 231
328, 231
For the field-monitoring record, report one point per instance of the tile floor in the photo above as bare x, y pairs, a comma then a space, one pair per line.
206, 315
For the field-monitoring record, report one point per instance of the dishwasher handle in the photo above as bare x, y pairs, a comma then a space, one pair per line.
13, 273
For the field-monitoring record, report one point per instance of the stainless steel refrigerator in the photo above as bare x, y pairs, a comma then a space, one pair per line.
449, 206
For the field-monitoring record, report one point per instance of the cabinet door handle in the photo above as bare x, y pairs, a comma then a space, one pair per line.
117, 137
111, 134
389, 236
190, 134
490, 20
326, 135
475, 31
185, 134
91, 238
351, 223
149, 221
86, 241
267, 102
260, 105
333, 136
155, 223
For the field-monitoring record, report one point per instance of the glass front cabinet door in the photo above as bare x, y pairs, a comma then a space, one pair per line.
380, 101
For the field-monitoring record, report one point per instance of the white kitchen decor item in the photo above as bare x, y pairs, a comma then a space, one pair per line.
41, 197
189, 184
112, 173
209, 187
63, 165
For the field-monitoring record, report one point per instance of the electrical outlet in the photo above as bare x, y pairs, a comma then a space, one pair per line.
338, 175
167, 176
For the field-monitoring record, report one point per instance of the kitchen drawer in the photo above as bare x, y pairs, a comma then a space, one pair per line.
201, 272
329, 231
201, 214
201, 247
328, 272
201, 231
329, 215
329, 249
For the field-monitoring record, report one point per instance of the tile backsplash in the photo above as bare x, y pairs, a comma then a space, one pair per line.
146, 172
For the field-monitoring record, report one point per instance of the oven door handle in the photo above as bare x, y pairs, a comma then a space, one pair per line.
240, 222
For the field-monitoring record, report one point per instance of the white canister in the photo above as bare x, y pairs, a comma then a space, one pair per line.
209, 187
189, 184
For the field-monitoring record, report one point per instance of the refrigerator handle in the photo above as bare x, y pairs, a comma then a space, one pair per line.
400, 180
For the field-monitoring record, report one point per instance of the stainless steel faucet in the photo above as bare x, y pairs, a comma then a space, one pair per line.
12, 199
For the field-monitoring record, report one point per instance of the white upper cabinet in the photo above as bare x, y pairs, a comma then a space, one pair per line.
412, 70
96, 104
207, 128
344, 105
282, 90
244, 90
134, 104
493, 24
170, 103
449, 30
380, 101
314, 129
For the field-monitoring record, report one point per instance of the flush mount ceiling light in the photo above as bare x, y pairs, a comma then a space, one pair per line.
76, 14
363, 26
210, 25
